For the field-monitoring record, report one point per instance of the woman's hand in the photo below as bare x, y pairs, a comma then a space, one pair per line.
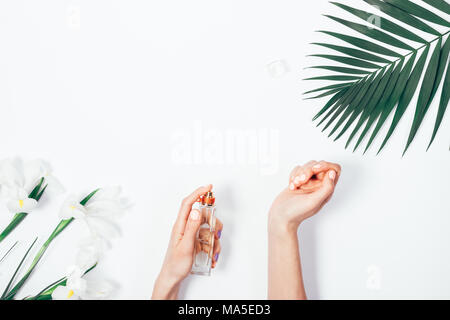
180, 253
310, 187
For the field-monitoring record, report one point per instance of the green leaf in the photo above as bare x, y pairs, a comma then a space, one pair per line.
331, 102
425, 92
39, 195
327, 93
363, 44
337, 105
375, 113
35, 194
59, 228
387, 85
46, 293
419, 11
17, 219
17, 269
7, 252
373, 33
367, 99
347, 60
383, 23
445, 89
393, 99
346, 103
374, 101
88, 197
341, 69
36, 189
407, 94
334, 78
333, 86
356, 53
444, 98
402, 16
365, 91
439, 4
349, 93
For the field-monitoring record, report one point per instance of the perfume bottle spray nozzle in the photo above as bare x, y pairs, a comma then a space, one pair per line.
208, 199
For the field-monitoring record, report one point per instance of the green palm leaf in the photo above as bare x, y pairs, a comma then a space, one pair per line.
445, 91
425, 93
333, 86
356, 53
371, 96
373, 114
385, 24
403, 16
418, 11
439, 4
354, 103
375, 80
326, 93
407, 94
341, 69
373, 33
334, 106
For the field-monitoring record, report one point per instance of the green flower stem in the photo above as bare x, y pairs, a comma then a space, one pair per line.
59, 228
35, 194
12, 225
46, 293
7, 252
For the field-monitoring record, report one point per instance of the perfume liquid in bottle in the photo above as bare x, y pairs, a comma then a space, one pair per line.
204, 243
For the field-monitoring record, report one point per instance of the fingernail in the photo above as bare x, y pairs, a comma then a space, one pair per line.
332, 174
219, 234
302, 177
216, 257
317, 166
195, 215
292, 186
297, 180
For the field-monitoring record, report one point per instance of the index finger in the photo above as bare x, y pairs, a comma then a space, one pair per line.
186, 207
324, 166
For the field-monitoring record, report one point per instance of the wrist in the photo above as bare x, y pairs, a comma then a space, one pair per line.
278, 227
166, 287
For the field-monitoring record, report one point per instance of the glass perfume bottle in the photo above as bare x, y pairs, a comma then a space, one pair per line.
204, 243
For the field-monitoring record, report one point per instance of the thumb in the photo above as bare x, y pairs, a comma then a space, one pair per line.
190, 231
327, 188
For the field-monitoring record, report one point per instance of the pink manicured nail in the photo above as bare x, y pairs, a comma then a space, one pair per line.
297, 180
302, 177
317, 166
292, 186
195, 215
332, 174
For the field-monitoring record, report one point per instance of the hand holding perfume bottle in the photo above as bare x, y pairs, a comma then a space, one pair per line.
195, 234
204, 245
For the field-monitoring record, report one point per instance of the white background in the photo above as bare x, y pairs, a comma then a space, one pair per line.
99, 88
